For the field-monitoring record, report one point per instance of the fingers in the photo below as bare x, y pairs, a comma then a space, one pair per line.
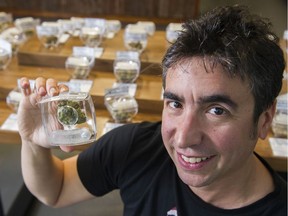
63, 88
42, 87
25, 86
52, 88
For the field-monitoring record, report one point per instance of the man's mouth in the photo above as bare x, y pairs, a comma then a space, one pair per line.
194, 160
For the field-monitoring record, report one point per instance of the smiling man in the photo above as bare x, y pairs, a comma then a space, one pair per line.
209, 133
221, 79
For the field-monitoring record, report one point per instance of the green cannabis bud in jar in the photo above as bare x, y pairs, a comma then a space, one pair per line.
136, 45
70, 113
51, 40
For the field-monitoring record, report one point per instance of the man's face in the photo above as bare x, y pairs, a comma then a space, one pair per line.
207, 123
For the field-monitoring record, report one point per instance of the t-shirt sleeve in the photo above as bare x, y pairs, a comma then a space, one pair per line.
119, 158
99, 166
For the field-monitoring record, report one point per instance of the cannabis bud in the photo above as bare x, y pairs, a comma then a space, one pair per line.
70, 113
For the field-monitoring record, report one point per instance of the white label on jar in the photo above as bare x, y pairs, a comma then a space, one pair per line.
77, 61
124, 104
76, 85
84, 51
131, 87
129, 55
5, 45
127, 65
110, 126
15, 96
47, 30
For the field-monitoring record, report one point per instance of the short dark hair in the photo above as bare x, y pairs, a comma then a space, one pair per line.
241, 42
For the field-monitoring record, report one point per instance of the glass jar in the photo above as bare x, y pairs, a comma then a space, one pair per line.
172, 31
149, 27
15, 37
280, 123
78, 66
27, 25
13, 99
69, 119
5, 20
135, 38
91, 36
49, 34
120, 104
126, 66
5, 54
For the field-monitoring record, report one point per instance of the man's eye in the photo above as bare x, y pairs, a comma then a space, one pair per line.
175, 105
217, 111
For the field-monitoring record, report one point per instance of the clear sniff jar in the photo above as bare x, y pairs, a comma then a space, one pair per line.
69, 119
172, 31
13, 99
92, 36
15, 37
113, 26
5, 54
126, 66
78, 66
149, 27
135, 38
120, 104
27, 25
49, 34
280, 123
5, 20
67, 26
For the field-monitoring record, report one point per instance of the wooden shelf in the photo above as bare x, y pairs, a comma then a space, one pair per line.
34, 54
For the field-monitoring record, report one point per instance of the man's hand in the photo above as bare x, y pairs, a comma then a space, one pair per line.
30, 124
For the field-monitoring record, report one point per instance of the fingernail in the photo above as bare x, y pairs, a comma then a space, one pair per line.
42, 90
63, 89
52, 91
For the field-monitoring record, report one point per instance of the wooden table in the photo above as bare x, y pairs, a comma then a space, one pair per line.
148, 94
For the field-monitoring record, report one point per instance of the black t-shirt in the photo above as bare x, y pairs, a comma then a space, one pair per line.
133, 158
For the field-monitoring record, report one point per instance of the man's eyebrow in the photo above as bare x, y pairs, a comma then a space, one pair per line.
171, 96
218, 99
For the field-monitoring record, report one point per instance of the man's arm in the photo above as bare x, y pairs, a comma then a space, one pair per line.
51, 180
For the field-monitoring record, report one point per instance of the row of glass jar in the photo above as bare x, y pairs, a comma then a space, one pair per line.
90, 30
126, 70
126, 66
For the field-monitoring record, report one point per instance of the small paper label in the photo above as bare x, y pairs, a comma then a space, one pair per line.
10, 123
131, 87
110, 126
77, 85
63, 38
279, 146
98, 51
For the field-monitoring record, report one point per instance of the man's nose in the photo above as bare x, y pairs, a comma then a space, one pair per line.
189, 130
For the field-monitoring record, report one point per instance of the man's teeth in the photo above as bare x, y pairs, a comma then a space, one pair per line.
193, 159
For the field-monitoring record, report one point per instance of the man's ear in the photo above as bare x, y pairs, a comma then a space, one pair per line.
265, 121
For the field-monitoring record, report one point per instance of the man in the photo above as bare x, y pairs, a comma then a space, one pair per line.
221, 78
